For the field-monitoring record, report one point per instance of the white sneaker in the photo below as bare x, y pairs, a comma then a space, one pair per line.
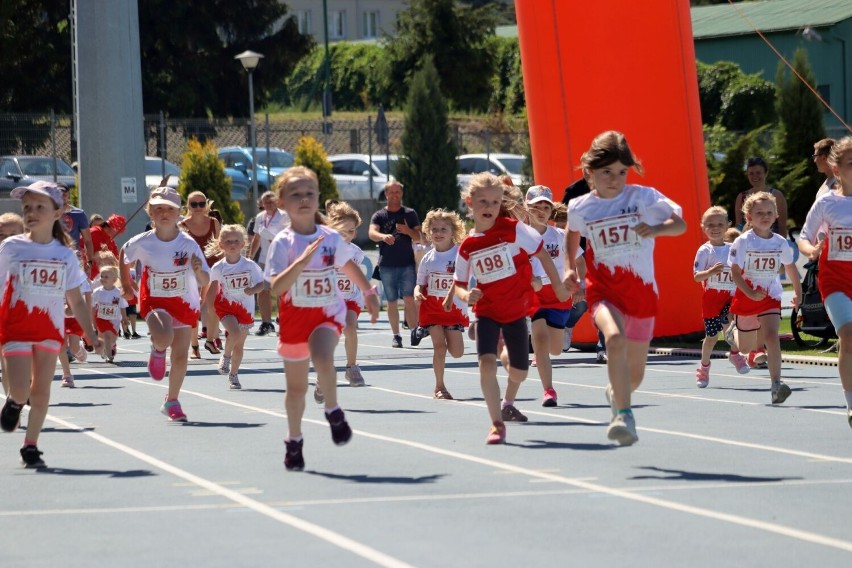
67, 382
601, 358
224, 366
234, 382
566, 339
780, 392
622, 429
82, 355
353, 375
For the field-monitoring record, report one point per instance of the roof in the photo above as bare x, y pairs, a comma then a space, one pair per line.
767, 16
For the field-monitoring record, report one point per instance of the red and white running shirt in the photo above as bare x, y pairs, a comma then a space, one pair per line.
35, 278
760, 260
233, 279
108, 303
719, 288
435, 277
348, 289
832, 214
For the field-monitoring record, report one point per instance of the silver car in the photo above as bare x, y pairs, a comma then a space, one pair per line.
352, 174
25, 170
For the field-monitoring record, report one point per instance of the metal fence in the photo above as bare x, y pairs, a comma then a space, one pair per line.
53, 135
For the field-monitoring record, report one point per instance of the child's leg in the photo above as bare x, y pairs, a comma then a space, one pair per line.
237, 353
516, 340
132, 319
490, 387
707, 348
455, 342
610, 322
322, 343
350, 333
44, 365
109, 341
18, 376
296, 375
180, 354
63, 361
769, 325
637, 356
439, 355
541, 349
746, 340
232, 327
160, 327
5, 376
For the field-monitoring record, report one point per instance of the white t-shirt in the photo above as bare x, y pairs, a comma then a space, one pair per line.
707, 257
348, 288
761, 259
108, 303
435, 274
35, 278
233, 279
267, 227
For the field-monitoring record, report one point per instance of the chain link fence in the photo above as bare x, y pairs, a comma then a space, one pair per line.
53, 135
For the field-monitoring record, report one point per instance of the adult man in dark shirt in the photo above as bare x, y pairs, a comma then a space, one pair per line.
396, 228
76, 223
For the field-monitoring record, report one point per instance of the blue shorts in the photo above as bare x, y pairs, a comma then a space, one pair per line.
839, 308
553, 317
398, 281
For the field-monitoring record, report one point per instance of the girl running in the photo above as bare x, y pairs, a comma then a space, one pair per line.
108, 307
712, 271
301, 268
173, 271
434, 284
498, 254
620, 222
40, 272
755, 259
234, 281
11, 224
834, 211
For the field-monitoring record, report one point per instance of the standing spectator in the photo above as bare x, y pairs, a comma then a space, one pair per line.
756, 171
76, 223
396, 228
103, 239
822, 149
267, 224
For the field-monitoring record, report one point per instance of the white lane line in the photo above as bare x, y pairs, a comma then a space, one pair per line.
322, 533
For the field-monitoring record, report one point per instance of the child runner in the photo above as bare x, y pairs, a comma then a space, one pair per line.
108, 307
72, 345
11, 224
712, 271
620, 222
549, 322
301, 268
39, 272
832, 214
344, 219
130, 332
234, 280
173, 270
755, 258
498, 254
434, 283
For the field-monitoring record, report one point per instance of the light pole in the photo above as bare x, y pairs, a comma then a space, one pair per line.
250, 59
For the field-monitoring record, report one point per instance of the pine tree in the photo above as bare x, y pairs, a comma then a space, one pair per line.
310, 153
202, 170
428, 171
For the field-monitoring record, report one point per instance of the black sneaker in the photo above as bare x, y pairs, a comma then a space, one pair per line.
415, 337
265, 329
10, 416
397, 341
31, 457
135, 335
293, 459
340, 430
512, 414
126, 334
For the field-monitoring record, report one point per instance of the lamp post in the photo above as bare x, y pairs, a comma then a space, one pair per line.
250, 59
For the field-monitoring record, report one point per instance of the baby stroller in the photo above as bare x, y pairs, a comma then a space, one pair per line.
809, 322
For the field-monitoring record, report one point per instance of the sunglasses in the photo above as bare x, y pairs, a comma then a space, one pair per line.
198, 204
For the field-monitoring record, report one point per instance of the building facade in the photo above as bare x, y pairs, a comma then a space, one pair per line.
348, 20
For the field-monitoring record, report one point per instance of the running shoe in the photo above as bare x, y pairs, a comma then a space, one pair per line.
203, 334
234, 382
601, 358
566, 339
340, 430
397, 342
496, 435
756, 358
610, 399
82, 354
702, 376
512, 414
218, 342
319, 398
739, 362
265, 328
224, 366
31, 457
172, 409
134, 335
67, 382
353, 375
10, 415
780, 392
157, 364
533, 362
293, 459
416, 337
622, 429
549, 398
126, 334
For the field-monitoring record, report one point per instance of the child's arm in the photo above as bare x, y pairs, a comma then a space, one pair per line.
80, 309
371, 297
285, 279
201, 275
793, 277
559, 289
128, 286
210, 296
751, 293
419, 296
671, 227
572, 279
702, 275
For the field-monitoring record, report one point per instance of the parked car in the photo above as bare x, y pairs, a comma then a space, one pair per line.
498, 164
24, 170
269, 165
155, 170
352, 173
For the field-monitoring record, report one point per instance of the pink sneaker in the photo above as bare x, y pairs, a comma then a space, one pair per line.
702, 376
497, 434
157, 364
739, 362
549, 398
172, 409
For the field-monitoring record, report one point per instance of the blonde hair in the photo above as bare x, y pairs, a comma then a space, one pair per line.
451, 218
109, 268
731, 234
514, 204
107, 262
338, 212
293, 175
213, 248
13, 219
840, 147
750, 201
713, 211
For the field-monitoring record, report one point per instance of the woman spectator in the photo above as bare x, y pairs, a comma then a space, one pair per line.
756, 171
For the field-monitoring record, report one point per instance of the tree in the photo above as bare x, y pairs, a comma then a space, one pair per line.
310, 153
202, 170
429, 169
800, 124
455, 37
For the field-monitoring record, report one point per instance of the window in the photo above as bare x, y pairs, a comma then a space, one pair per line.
337, 25
371, 24
303, 21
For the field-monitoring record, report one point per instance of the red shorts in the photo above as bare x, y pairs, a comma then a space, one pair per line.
353, 306
104, 326
72, 327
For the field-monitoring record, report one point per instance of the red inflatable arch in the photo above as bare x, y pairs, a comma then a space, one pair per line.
591, 66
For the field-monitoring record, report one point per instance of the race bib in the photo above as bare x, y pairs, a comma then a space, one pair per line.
168, 284
108, 311
492, 264
722, 281
347, 288
614, 236
315, 288
840, 244
761, 265
439, 284
42, 277
236, 283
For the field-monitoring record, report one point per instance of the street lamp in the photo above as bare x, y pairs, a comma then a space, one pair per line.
250, 59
